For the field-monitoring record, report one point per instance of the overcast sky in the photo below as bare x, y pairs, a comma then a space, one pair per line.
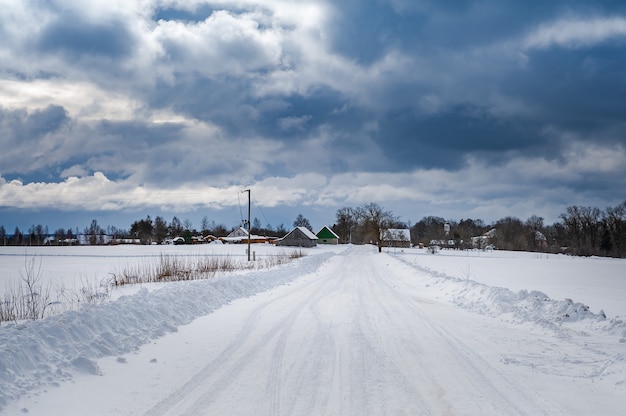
118, 109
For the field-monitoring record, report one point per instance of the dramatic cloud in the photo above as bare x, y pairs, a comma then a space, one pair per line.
577, 33
475, 108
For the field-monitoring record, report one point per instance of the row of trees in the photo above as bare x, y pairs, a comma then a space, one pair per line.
364, 224
39, 235
158, 230
579, 231
146, 230
36, 236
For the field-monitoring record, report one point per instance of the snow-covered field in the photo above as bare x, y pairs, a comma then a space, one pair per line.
342, 331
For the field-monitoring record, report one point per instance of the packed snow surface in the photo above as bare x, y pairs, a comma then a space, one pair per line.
342, 331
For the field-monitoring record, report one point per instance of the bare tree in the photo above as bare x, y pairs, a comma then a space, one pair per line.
37, 296
347, 219
160, 229
376, 221
583, 229
93, 231
615, 228
510, 234
204, 225
176, 228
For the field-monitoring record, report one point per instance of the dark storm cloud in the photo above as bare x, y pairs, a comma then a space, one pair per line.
221, 100
579, 88
568, 89
365, 33
350, 99
196, 14
444, 140
73, 35
21, 125
572, 89
423, 27
31, 140
230, 103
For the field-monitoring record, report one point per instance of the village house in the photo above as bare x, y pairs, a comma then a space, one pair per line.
327, 236
240, 235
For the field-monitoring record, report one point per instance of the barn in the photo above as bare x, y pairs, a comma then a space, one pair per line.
327, 236
298, 237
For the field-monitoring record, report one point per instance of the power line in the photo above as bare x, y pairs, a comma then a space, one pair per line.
262, 213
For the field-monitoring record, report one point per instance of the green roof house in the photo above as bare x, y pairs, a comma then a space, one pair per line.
327, 236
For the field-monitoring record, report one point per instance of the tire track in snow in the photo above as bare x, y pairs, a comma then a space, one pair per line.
376, 355
200, 391
361, 371
350, 340
306, 371
196, 383
478, 372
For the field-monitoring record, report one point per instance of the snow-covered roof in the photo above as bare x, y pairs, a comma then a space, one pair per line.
308, 233
238, 232
243, 238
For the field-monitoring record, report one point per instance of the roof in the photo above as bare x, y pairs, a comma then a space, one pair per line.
326, 232
241, 235
238, 232
307, 233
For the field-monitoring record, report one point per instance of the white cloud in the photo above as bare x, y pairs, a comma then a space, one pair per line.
479, 190
224, 44
294, 123
76, 171
575, 32
82, 100
98, 193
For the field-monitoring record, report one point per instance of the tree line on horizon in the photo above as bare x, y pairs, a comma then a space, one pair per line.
582, 231
146, 231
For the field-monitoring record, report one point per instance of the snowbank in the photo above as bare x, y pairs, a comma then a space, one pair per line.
40, 353
517, 307
49, 352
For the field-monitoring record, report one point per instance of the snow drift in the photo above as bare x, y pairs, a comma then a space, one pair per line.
38, 353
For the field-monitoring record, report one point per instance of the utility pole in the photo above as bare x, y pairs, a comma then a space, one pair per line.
248, 191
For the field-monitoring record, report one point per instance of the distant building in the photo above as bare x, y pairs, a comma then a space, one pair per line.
484, 240
98, 239
240, 235
540, 239
327, 236
397, 237
298, 237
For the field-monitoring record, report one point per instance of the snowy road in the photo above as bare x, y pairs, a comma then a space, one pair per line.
362, 335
